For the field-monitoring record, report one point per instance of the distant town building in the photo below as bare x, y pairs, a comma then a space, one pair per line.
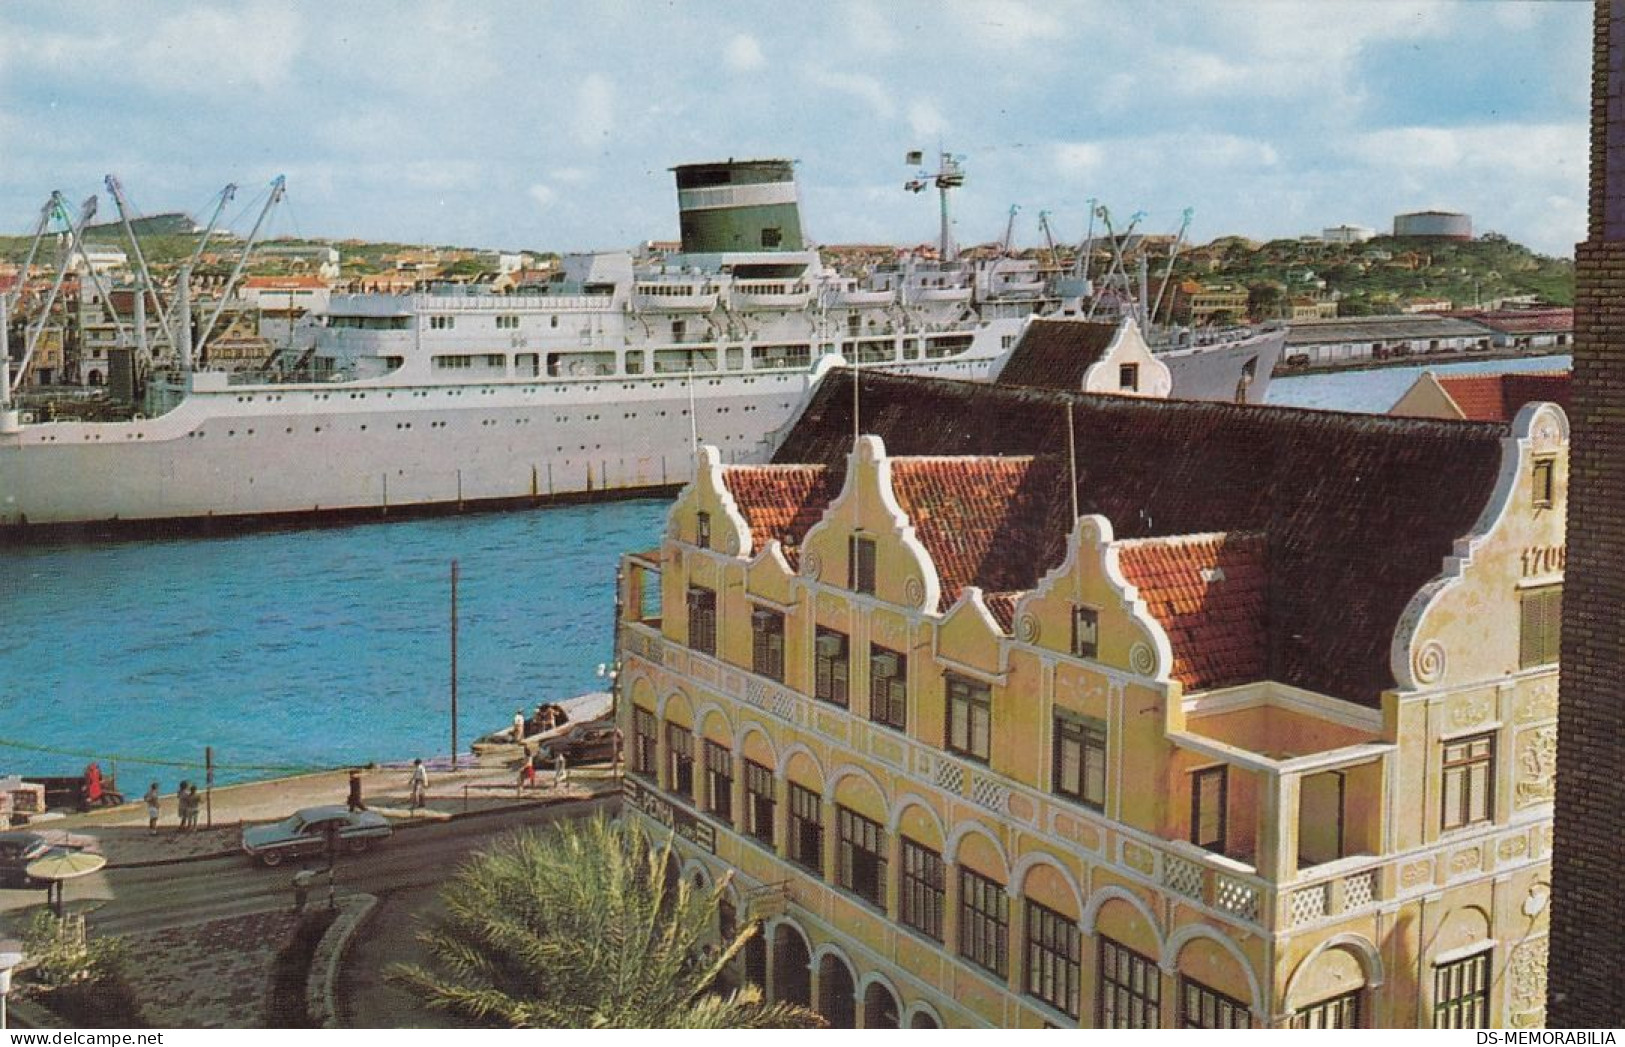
1448, 224
1198, 304
1347, 234
1548, 328
314, 258
1354, 338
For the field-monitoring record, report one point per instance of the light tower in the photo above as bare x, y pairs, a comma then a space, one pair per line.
948, 175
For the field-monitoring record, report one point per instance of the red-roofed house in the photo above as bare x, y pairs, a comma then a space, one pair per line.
1241, 717
1481, 397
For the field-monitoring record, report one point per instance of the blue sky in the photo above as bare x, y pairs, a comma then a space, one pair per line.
552, 125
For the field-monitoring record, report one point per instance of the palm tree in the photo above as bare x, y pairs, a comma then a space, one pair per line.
576, 927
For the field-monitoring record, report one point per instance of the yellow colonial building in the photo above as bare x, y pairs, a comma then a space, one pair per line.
1218, 717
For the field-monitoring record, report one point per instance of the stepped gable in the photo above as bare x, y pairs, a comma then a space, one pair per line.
1498, 397
781, 501
986, 521
1054, 354
1359, 510
1210, 593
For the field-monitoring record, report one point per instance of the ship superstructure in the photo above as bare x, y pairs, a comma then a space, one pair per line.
600, 381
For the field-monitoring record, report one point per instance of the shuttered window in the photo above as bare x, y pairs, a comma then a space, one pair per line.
831, 668
1542, 631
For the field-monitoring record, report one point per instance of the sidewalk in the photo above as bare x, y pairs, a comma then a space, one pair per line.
474, 788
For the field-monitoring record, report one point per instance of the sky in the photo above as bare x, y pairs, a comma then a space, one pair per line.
552, 126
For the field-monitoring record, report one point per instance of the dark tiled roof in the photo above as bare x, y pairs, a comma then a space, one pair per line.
1053, 354
1359, 510
988, 522
781, 501
1210, 593
1003, 607
1497, 397
1410, 327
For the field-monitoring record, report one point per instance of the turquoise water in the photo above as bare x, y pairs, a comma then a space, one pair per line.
320, 648
303, 649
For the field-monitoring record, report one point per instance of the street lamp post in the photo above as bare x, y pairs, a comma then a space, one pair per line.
8, 960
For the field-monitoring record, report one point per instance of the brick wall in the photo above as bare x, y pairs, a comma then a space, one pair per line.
1587, 956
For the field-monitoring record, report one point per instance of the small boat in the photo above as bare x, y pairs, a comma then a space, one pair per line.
595, 705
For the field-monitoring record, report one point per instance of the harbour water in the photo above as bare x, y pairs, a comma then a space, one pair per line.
301, 650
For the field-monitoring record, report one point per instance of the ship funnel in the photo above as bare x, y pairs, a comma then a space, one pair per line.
740, 205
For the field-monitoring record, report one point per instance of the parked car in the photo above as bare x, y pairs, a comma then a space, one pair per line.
589, 742
19, 848
305, 833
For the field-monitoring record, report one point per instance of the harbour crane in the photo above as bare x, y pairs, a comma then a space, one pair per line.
278, 190
31, 339
948, 175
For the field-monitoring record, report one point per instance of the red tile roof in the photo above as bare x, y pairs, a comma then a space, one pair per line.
1521, 321
1497, 397
1334, 493
1210, 594
781, 501
1054, 354
988, 522
1003, 607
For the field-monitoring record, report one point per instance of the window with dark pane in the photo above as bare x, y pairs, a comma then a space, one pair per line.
861, 564
702, 620
860, 861
767, 642
923, 889
984, 922
1469, 781
759, 802
970, 717
680, 770
1054, 958
1461, 993
1080, 760
1130, 988
644, 739
1203, 1008
888, 687
1085, 632
806, 829
719, 780
831, 666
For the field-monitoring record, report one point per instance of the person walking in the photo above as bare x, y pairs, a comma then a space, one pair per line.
519, 726
190, 806
527, 775
150, 798
182, 799
354, 800
561, 773
420, 784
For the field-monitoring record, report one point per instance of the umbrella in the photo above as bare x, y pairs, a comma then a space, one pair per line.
65, 865
59, 866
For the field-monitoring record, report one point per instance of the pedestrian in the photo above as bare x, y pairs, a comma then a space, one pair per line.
527, 775
519, 726
151, 800
182, 805
354, 801
420, 784
190, 806
560, 772
301, 888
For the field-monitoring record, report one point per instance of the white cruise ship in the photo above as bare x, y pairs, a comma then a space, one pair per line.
460, 397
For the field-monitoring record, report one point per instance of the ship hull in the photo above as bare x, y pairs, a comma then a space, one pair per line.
1227, 372
274, 454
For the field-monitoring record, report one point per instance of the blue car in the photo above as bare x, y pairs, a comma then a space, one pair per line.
305, 833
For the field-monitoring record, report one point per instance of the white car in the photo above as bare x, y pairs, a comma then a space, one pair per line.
306, 832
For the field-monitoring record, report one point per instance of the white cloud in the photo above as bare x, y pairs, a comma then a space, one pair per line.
569, 175
743, 54
925, 119
1078, 160
204, 50
543, 195
867, 28
1007, 25
594, 117
866, 89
